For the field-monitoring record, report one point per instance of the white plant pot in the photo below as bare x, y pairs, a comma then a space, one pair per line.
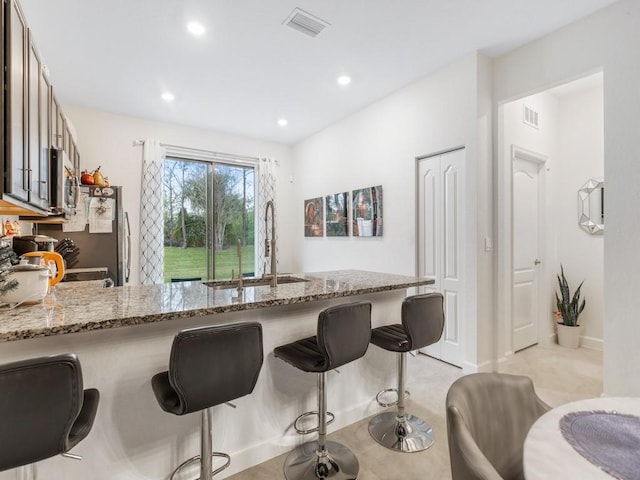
568, 336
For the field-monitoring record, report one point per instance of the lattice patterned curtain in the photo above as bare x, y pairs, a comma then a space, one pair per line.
266, 192
151, 214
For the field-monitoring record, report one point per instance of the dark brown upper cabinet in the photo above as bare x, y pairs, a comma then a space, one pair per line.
57, 123
16, 133
33, 120
37, 111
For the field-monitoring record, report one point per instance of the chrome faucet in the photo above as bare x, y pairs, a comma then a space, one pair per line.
270, 246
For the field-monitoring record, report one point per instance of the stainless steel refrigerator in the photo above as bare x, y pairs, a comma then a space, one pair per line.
96, 242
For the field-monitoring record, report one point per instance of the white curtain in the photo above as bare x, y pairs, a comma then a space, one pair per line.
151, 214
266, 192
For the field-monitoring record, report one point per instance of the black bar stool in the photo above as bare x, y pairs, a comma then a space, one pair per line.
43, 408
343, 336
422, 325
209, 366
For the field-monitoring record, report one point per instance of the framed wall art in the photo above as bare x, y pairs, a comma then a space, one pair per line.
337, 217
313, 217
367, 212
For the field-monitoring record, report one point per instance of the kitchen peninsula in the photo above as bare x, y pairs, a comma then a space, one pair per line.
77, 307
123, 336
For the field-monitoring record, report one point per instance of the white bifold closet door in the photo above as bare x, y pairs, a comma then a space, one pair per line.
440, 244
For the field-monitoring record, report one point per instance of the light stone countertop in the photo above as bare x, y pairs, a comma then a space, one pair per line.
84, 306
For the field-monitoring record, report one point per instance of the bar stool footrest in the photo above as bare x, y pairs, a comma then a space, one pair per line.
300, 431
407, 394
195, 459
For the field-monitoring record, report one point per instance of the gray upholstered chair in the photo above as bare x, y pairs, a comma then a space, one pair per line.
488, 418
422, 319
343, 336
209, 366
45, 410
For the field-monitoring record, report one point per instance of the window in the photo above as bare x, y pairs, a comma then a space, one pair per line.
209, 207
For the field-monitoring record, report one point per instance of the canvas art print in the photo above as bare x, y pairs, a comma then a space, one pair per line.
367, 212
313, 213
337, 222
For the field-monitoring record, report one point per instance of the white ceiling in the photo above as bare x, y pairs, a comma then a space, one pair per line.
248, 70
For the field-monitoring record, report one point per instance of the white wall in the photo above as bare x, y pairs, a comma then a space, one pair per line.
379, 146
485, 289
603, 41
580, 158
106, 140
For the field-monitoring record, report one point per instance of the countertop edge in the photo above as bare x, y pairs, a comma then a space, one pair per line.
26, 334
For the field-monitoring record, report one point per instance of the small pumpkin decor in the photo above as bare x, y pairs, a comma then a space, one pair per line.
569, 309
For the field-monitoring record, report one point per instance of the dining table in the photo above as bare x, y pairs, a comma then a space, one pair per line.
591, 439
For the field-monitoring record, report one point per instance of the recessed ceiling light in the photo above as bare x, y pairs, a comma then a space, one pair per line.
344, 80
283, 122
168, 97
196, 28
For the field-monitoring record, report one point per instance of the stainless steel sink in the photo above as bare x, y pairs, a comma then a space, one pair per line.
252, 282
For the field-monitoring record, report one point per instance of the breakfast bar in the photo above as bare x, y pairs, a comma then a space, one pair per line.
123, 336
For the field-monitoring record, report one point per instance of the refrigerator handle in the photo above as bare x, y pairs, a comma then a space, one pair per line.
128, 237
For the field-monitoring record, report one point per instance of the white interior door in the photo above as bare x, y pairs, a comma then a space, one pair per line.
526, 252
440, 249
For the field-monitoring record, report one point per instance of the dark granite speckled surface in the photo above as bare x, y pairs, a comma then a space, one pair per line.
84, 306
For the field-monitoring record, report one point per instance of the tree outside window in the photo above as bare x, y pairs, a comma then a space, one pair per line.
208, 208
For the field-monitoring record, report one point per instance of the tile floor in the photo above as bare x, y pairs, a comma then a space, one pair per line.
559, 374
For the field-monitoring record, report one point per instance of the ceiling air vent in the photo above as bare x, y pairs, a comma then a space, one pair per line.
530, 117
305, 22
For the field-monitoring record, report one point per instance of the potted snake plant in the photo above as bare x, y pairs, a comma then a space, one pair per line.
569, 309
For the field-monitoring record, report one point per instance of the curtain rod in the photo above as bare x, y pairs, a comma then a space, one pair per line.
137, 143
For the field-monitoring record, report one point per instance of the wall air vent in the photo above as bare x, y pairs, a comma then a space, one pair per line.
305, 22
530, 117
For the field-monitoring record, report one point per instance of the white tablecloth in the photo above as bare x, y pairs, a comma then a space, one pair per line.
547, 455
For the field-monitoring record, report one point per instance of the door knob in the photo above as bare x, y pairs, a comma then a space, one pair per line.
537, 262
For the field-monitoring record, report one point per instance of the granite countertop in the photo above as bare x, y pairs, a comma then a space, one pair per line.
83, 306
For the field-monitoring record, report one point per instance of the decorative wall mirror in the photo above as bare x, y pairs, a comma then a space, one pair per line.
591, 207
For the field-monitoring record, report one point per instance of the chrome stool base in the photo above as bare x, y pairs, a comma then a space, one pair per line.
337, 462
406, 433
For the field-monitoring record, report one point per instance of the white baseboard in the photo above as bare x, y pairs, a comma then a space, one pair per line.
591, 343
506, 355
468, 367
